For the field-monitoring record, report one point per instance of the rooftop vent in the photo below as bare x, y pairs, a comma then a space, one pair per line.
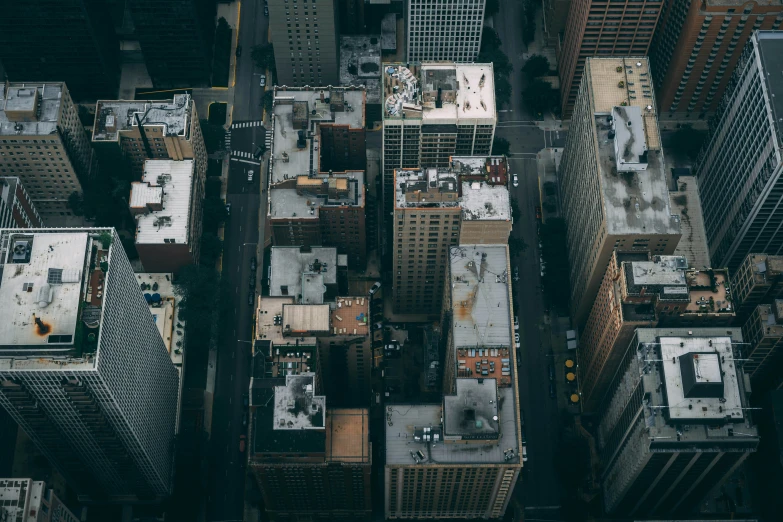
21, 251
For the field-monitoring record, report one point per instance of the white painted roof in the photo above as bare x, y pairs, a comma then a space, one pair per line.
484, 202
171, 223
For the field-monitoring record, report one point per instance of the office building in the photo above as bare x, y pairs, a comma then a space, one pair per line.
461, 458
758, 280
43, 143
674, 424
639, 292
176, 39
16, 207
317, 193
613, 184
763, 333
360, 65
312, 275
432, 112
739, 170
686, 203
129, 132
600, 28
83, 369
442, 30
484, 200
306, 42
697, 46
27, 500
167, 205
72, 41
310, 461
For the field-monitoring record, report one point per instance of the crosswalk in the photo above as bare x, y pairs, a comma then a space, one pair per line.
241, 154
228, 140
268, 140
245, 124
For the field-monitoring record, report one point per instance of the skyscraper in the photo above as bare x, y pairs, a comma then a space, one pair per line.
698, 44
763, 333
69, 41
83, 369
600, 28
758, 280
176, 38
16, 208
739, 168
444, 30
30, 501
613, 184
674, 424
306, 42
43, 143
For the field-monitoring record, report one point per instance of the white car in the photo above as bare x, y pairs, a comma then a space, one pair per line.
516, 180
516, 322
263, 80
516, 340
524, 453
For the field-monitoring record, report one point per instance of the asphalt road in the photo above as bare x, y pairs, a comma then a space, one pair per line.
242, 235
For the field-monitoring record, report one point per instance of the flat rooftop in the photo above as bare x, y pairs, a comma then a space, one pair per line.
693, 243
661, 271
165, 312
297, 110
315, 192
303, 275
770, 45
169, 184
350, 316
360, 64
280, 353
472, 413
42, 98
484, 202
296, 405
304, 319
348, 435
19, 499
491, 169
439, 92
114, 116
426, 188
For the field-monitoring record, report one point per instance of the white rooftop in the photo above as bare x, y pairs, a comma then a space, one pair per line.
19, 97
712, 363
168, 181
484, 202
629, 141
667, 270
289, 202
296, 405
55, 305
429, 180
295, 273
113, 116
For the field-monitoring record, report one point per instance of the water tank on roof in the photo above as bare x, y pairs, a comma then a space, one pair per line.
44, 296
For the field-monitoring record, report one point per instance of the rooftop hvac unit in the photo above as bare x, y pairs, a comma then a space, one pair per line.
21, 251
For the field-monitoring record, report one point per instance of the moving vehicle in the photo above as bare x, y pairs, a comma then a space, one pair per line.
524, 453
262, 82
228, 209
253, 263
375, 287
242, 443
516, 340
238, 51
249, 175
516, 180
516, 322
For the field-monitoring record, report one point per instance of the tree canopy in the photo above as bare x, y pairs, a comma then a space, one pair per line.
491, 8
536, 66
500, 146
263, 56
540, 97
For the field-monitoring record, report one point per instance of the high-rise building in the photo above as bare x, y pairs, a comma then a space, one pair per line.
442, 30
16, 208
674, 424
167, 205
351, 16
312, 275
638, 292
43, 143
613, 185
763, 333
176, 39
129, 132
434, 111
739, 168
600, 28
70, 41
27, 500
758, 280
306, 42
461, 458
83, 369
317, 193
696, 47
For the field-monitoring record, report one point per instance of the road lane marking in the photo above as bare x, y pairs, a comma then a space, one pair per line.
246, 161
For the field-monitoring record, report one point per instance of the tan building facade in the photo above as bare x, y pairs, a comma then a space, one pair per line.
696, 47
758, 280
43, 143
601, 28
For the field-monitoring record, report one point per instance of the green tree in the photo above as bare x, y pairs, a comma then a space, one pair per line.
516, 213
557, 290
490, 41
214, 136
500, 146
269, 97
215, 213
221, 54
76, 203
491, 8
263, 56
516, 246
197, 286
105, 239
211, 248
536, 66
502, 90
540, 97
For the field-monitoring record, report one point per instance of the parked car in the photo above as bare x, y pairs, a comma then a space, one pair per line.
516, 180
516, 340
249, 175
262, 81
524, 453
228, 209
378, 325
266, 11
516, 273
375, 287
552, 392
238, 51
259, 152
252, 282
516, 322
551, 372
253, 263
538, 212
242, 443
250, 297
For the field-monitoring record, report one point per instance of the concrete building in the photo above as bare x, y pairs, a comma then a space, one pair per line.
758, 280
763, 331
433, 111
317, 191
306, 43
613, 176
639, 292
74, 43
739, 168
685, 202
27, 500
43, 143
441, 30
310, 461
167, 205
310, 275
697, 46
360, 65
83, 369
176, 38
129, 132
600, 28
674, 424
461, 458
16, 207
